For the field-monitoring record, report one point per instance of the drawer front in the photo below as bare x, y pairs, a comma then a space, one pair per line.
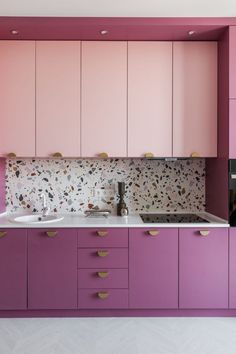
103, 258
116, 299
102, 278
102, 237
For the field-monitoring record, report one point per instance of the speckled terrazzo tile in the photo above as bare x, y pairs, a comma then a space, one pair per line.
69, 184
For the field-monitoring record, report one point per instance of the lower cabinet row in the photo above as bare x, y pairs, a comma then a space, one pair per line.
118, 268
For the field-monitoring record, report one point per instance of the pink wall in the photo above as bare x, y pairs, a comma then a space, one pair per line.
2, 185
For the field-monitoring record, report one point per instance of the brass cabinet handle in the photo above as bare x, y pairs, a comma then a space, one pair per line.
103, 155
153, 232
51, 233
57, 154
102, 253
103, 294
102, 233
11, 155
102, 274
149, 154
3, 233
195, 154
204, 232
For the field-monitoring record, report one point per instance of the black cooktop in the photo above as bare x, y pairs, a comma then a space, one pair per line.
172, 218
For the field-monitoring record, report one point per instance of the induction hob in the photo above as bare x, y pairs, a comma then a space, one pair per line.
172, 218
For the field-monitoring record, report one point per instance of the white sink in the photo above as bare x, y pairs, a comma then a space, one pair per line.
37, 219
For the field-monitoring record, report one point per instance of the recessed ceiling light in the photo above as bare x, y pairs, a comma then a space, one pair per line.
14, 32
103, 32
191, 33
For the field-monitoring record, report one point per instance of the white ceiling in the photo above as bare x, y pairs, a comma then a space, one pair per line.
119, 8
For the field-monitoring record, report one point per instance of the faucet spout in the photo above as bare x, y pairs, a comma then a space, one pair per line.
46, 208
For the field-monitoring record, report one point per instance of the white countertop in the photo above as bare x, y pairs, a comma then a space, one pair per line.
76, 221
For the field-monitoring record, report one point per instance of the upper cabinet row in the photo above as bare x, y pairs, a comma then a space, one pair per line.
122, 99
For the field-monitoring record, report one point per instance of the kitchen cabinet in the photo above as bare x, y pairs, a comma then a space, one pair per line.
153, 268
149, 99
232, 129
52, 269
104, 99
17, 99
232, 268
195, 99
232, 62
203, 268
13, 269
58, 98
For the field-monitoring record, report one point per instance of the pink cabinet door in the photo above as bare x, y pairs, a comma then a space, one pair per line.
58, 98
13, 269
153, 268
17, 99
203, 268
232, 128
232, 268
149, 98
52, 269
104, 99
195, 99
232, 62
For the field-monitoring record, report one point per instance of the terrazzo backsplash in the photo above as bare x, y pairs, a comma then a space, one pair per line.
72, 185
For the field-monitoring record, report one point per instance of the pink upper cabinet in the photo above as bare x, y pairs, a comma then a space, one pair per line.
104, 99
232, 62
58, 98
195, 99
17, 99
149, 98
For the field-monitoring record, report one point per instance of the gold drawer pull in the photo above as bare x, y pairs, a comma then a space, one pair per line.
51, 233
57, 154
195, 154
103, 274
149, 154
103, 155
102, 233
11, 155
103, 295
204, 232
3, 233
153, 232
102, 253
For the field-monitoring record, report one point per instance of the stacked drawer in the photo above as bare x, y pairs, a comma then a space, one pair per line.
103, 268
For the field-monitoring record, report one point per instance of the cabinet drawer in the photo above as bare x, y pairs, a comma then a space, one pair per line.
109, 299
104, 237
102, 278
103, 258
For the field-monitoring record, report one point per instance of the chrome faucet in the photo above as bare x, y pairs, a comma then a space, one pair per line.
46, 208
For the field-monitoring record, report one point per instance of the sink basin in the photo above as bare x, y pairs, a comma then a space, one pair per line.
37, 219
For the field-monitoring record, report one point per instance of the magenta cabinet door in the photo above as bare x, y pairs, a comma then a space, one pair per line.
103, 298
153, 268
17, 99
203, 268
195, 99
104, 98
113, 237
52, 269
232, 128
13, 269
232, 62
149, 98
232, 268
58, 98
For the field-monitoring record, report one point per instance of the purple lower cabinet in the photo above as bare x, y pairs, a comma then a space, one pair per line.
52, 269
103, 278
103, 299
203, 268
13, 269
232, 268
153, 268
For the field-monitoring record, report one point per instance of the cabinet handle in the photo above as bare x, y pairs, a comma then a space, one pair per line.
153, 232
57, 154
204, 232
11, 155
103, 294
149, 154
2, 233
102, 233
195, 154
102, 253
103, 155
102, 274
51, 233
